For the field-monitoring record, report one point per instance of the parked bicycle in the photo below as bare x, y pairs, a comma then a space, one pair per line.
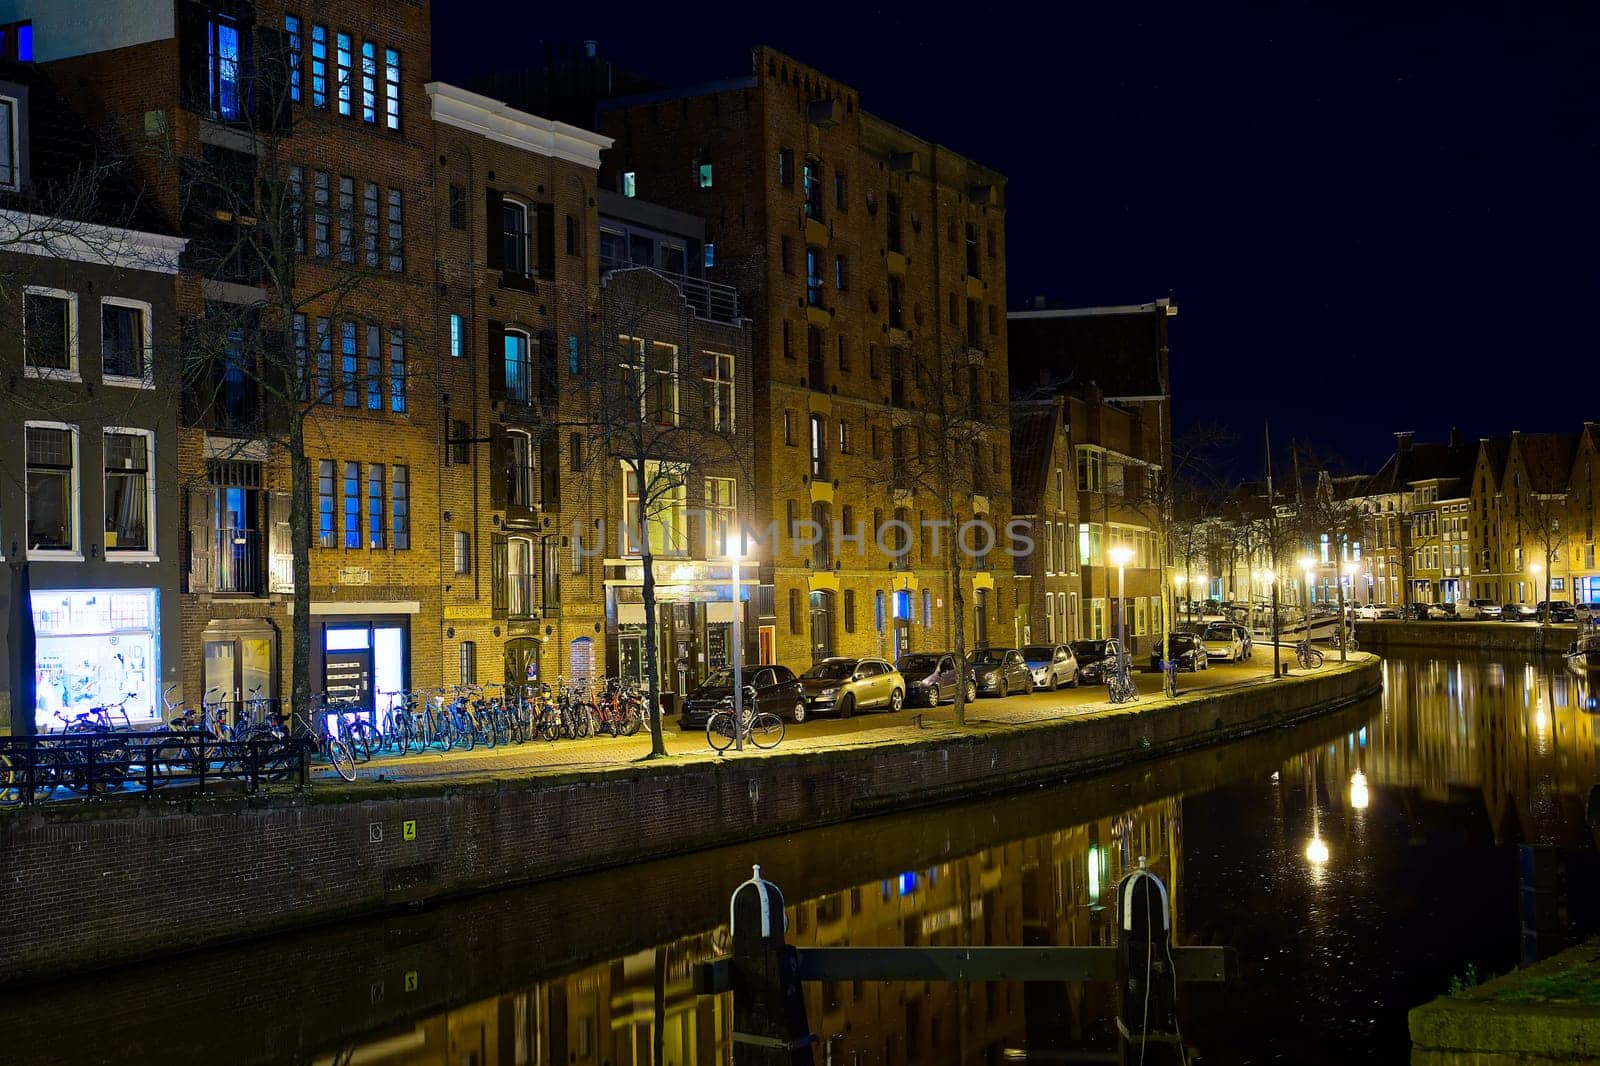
1120, 686
1307, 656
763, 729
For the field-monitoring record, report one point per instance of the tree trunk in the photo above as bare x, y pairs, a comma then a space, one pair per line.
652, 671
300, 536
958, 610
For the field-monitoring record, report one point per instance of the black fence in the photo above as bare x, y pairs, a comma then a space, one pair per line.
102, 764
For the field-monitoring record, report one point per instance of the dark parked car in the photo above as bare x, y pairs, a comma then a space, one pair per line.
850, 685
1187, 651
1517, 612
1094, 659
1002, 671
775, 689
1555, 611
932, 677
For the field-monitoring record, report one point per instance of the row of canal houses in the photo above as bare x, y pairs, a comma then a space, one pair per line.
248, 245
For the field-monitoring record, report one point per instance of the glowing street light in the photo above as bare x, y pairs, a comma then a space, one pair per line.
1121, 555
736, 552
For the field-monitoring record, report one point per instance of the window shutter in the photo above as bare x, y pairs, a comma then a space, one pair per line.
499, 467
494, 254
280, 544
201, 537
194, 81
497, 575
497, 361
549, 367
545, 223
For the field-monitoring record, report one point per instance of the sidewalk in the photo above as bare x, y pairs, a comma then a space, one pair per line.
538, 758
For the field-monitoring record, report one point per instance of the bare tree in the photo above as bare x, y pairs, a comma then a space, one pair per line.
647, 414
945, 449
1540, 512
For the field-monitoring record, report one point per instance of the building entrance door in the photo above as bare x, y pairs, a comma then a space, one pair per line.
347, 668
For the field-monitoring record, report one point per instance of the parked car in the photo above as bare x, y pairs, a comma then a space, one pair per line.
1555, 611
1442, 612
848, 685
1377, 611
1516, 612
1053, 665
1187, 651
1587, 612
932, 677
1468, 610
1094, 659
771, 688
1488, 610
1221, 641
1002, 671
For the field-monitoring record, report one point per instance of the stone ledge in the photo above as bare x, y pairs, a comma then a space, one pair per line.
1498, 1022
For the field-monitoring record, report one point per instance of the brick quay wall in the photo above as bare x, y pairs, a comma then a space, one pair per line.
90, 887
1522, 637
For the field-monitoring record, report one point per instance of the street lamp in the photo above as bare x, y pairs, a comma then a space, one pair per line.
1178, 582
735, 557
1534, 568
1308, 566
1121, 555
1272, 582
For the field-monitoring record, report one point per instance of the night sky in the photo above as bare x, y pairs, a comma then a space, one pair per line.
1371, 220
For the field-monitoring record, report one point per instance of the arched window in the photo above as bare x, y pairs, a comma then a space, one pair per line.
519, 469
519, 366
519, 577
514, 230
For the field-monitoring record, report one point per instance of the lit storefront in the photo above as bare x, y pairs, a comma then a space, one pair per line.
97, 647
695, 610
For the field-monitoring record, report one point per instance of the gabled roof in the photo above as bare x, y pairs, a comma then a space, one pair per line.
1428, 461
1034, 425
1492, 451
1547, 457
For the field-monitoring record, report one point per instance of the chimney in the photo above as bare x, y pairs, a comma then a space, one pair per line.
1402, 440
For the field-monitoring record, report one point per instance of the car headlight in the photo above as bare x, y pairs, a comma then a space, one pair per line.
991, 677
828, 693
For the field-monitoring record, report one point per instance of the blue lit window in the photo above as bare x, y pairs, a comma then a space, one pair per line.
25, 42
224, 64
711, 254
629, 183
456, 340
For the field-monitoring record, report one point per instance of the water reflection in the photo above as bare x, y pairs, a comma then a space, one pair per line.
1356, 864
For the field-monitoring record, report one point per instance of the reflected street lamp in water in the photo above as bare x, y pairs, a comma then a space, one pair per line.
1317, 852
1360, 797
1121, 555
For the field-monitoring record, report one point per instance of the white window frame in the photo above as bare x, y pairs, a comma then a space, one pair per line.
526, 608
14, 134
148, 379
75, 553
142, 555
527, 234
716, 510
74, 367
723, 421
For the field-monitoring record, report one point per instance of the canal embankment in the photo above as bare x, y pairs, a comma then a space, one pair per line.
1522, 637
1546, 1013
92, 886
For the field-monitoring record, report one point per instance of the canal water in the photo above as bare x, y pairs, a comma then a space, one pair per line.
1357, 864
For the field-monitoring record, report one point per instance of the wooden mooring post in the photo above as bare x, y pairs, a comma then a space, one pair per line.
764, 972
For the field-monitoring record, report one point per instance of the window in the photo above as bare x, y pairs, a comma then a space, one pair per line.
665, 497
897, 316
811, 187
794, 611
844, 356
519, 367
375, 506
463, 551
892, 221
785, 261
457, 340
663, 384
291, 33
819, 447
125, 341
342, 63
319, 66
391, 84
370, 225
519, 472
349, 364
785, 166
52, 456
369, 82
841, 191
575, 452
347, 209
50, 332
710, 256
514, 229
630, 183
458, 207
788, 428
325, 505
519, 577
130, 491
972, 250
1091, 469
469, 662
10, 156
324, 360
224, 67
396, 232
703, 175
397, 371
352, 505
400, 504
814, 277
297, 208
321, 245
718, 378
374, 368
721, 516
849, 610
841, 273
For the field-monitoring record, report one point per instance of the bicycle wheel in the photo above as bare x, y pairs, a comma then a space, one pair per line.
484, 723
464, 732
1315, 659
766, 732
363, 739
549, 724
12, 775
719, 731
628, 718
339, 756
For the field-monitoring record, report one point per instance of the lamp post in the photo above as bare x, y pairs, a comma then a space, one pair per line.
735, 557
1121, 555
1180, 581
1534, 568
1271, 578
1344, 620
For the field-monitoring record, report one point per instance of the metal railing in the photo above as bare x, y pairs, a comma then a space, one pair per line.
707, 299
97, 765
236, 561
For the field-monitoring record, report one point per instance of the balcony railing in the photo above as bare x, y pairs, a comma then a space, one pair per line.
707, 299
236, 561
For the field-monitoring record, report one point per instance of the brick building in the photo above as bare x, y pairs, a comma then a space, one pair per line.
860, 249
1044, 492
241, 114
88, 423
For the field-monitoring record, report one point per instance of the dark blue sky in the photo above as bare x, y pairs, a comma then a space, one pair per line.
1371, 219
